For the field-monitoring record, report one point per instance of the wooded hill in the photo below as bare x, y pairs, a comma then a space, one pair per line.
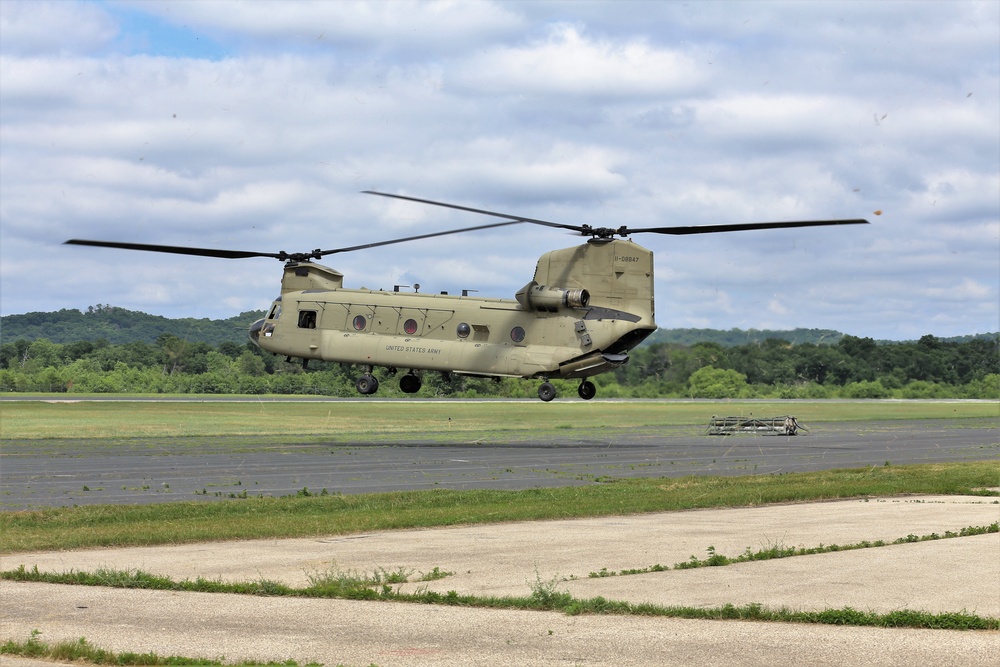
118, 326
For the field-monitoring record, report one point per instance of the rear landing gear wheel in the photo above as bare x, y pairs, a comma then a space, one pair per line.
409, 383
366, 384
546, 392
587, 390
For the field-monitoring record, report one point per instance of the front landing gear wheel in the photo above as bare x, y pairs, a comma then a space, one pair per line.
366, 384
546, 392
587, 390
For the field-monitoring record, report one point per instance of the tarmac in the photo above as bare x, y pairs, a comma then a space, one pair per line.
959, 574
70, 471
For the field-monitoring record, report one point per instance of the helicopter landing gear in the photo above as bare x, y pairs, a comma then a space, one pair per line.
587, 390
546, 391
366, 384
409, 383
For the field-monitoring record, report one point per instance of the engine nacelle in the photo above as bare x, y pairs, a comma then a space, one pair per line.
540, 297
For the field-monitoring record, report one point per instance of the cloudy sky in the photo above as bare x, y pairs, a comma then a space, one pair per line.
255, 125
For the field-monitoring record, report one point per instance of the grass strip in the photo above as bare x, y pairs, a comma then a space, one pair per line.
82, 651
544, 597
445, 421
775, 551
335, 514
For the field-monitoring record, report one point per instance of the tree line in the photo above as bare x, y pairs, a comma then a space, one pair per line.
850, 368
120, 325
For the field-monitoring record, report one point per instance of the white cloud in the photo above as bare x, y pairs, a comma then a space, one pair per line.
570, 62
53, 28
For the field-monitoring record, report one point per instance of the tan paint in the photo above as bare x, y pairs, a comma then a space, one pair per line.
421, 331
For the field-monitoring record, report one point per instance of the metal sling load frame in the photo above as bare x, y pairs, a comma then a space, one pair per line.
786, 425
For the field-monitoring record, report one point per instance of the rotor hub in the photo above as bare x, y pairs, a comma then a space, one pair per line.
603, 232
300, 256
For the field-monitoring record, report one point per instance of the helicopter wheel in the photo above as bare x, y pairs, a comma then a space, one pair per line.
546, 392
587, 390
366, 384
409, 383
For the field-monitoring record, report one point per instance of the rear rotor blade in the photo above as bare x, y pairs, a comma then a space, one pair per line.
739, 227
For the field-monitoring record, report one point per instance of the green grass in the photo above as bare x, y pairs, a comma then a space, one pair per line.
315, 515
544, 596
82, 651
448, 420
775, 551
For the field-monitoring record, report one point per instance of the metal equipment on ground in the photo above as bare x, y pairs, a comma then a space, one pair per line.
786, 425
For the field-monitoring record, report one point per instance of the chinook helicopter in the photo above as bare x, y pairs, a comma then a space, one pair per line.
579, 316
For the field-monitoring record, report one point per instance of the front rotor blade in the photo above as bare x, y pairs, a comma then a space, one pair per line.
517, 218
363, 246
176, 250
740, 227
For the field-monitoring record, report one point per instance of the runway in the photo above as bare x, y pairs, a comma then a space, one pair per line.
68, 471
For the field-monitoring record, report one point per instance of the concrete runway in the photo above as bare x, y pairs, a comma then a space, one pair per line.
70, 472
952, 575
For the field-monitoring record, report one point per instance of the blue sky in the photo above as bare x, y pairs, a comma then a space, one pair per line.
255, 125
144, 33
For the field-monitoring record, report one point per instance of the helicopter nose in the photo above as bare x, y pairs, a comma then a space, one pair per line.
254, 332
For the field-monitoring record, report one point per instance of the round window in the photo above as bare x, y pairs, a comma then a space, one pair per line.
410, 326
517, 334
464, 330
360, 322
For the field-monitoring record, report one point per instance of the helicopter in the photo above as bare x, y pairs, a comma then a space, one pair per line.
583, 310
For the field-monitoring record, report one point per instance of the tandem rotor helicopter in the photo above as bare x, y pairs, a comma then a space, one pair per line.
579, 316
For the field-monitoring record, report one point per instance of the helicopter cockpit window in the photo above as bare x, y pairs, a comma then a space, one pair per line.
307, 319
360, 322
463, 330
517, 334
275, 312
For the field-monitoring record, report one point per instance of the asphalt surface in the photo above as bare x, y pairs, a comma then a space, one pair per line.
66, 472
950, 575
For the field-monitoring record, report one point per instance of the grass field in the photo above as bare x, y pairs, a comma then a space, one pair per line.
383, 420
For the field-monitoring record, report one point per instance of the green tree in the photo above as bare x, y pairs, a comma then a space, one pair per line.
43, 353
231, 349
865, 389
217, 362
250, 364
172, 350
14, 355
985, 388
710, 382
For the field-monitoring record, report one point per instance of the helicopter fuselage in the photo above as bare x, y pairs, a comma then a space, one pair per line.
586, 307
